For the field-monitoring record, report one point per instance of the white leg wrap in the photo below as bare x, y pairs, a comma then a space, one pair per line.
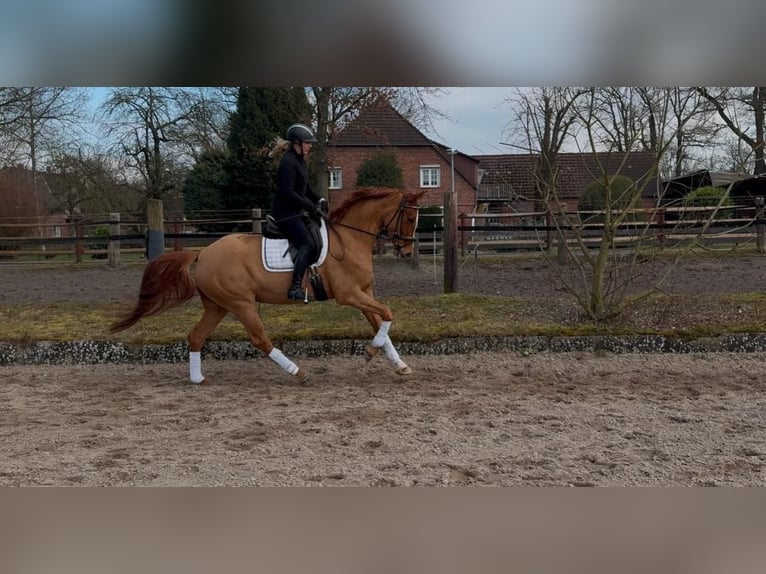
391, 353
382, 334
195, 367
278, 357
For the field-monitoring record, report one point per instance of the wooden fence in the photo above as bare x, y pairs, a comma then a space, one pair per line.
108, 238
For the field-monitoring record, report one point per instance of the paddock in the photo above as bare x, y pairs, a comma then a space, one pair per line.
499, 419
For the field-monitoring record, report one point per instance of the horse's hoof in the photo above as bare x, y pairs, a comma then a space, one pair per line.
370, 352
404, 370
303, 378
202, 382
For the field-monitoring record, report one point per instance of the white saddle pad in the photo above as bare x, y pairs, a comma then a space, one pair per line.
276, 258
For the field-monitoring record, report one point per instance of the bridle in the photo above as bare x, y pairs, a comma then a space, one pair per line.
397, 238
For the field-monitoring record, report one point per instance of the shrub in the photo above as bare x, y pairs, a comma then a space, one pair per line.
381, 169
709, 196
594, 198
98, 232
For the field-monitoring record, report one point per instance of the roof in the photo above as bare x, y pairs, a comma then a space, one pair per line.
515, 172
742, 184
382, 126
379, 125
702, 178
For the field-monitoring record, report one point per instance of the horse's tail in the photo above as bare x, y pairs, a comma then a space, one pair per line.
167, 282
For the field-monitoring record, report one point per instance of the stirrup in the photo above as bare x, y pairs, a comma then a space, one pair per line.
298, 294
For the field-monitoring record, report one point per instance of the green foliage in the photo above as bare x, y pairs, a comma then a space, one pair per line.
262, 114
98, 232
204, 187
381, 169
709, 196
616, 193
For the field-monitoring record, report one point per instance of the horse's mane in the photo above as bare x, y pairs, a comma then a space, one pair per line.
361, 194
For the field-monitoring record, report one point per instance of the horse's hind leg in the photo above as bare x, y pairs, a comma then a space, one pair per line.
248, 316
212, 316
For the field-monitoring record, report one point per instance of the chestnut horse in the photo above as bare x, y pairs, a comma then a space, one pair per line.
230, 277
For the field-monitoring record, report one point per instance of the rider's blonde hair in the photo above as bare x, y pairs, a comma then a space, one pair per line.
279, 146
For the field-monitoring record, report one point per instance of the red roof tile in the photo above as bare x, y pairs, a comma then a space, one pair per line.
379, 125
515, 172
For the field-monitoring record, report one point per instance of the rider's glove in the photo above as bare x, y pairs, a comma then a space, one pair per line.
324, 207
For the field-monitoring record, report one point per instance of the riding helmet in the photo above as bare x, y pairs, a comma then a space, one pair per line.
300, 133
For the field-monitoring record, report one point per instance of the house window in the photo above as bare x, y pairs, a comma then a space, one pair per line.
336, 181
429, 176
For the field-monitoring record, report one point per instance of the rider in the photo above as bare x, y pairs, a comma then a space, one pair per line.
296, 199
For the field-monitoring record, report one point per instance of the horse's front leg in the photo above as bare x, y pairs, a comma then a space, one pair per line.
371, 350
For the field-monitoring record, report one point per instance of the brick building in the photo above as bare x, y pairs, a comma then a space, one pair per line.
425, 163
494, 183
508, 181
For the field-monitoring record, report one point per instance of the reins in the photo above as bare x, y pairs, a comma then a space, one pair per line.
382, 232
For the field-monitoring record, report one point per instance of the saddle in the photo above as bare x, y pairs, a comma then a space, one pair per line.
278, 253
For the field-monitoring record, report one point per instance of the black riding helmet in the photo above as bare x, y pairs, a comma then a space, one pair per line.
300, 133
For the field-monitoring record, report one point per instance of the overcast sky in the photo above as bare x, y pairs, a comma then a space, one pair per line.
479, 117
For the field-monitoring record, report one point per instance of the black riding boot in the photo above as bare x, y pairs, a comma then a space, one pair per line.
302, 260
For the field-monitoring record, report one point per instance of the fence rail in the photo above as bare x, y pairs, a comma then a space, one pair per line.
109, 238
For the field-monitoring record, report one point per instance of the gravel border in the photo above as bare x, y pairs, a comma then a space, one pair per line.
95, 352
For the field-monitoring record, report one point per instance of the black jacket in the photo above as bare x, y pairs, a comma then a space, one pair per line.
294, 192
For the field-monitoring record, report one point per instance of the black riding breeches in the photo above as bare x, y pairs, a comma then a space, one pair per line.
298, 234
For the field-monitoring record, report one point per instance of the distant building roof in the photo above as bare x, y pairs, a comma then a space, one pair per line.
382, 126
379, 125
514, 173
742, 185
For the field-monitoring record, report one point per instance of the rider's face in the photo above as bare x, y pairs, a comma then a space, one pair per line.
306, 147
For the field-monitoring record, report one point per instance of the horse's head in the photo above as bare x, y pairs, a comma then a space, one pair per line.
378, 212
401, 226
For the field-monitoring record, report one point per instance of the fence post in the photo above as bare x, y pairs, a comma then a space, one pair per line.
78, 246
178, 243
562, 254
462, 235
114, 244
661, 226
255, 214
760, 227
548, 229
450, 242
155, 220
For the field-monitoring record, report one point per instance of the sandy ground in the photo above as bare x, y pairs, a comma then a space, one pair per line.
484, 419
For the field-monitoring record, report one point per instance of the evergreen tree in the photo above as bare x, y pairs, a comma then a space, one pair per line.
380, 170
261, 115
204, 187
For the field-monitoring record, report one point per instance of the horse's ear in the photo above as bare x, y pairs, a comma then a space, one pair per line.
414, 197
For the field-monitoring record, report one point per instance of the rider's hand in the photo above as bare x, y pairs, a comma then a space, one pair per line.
324, 207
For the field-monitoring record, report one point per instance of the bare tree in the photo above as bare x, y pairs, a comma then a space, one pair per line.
742, 110
673, 122
206, 128
608, 276
88, 182
542, 123
149, 130
35, 122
